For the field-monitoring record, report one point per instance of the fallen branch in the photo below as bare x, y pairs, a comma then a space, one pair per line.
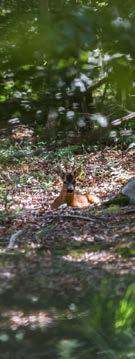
130, 211
13, 239
118, 121
74, 216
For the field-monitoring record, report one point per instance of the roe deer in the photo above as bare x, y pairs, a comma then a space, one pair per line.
68, 194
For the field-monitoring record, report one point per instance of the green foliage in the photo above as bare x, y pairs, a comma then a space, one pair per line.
125, 319
14, 153
59, 63
118, 200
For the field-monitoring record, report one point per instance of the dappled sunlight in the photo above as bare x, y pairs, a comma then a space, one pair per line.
67, 179
27, 183
21, 133
15, 319
98, 257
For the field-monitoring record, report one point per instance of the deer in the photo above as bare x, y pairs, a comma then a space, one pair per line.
68, 195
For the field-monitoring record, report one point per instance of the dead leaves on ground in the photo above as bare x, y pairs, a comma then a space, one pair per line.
32, 188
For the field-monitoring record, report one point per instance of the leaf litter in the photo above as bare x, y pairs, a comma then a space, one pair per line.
43, 242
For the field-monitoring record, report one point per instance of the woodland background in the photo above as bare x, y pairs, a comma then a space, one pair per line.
67, 89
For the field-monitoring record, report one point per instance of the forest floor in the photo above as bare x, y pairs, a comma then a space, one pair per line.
67, 248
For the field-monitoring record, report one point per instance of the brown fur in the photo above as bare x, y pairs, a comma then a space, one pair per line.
69, 196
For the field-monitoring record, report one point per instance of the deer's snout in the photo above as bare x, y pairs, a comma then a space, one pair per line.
70, 187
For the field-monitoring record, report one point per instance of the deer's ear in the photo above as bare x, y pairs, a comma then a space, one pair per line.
77, 171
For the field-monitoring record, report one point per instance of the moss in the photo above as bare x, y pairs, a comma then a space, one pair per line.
119, 200
126, 252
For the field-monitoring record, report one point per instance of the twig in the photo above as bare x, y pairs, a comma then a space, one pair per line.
128, 211
85, 218
118, 121
77, 217
13, 238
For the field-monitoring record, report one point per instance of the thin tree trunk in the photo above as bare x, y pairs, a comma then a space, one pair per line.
44, 11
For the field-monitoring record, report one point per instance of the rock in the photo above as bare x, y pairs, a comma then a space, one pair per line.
126, 195
128, 190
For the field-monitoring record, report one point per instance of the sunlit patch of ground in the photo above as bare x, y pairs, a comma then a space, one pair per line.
14, 319
29, 184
